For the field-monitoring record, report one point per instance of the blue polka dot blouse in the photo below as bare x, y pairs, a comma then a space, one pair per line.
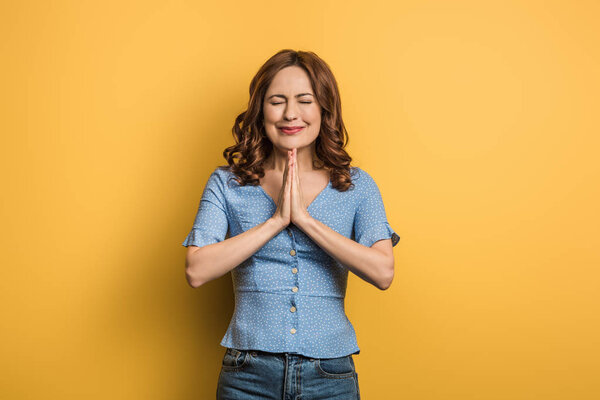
289, 295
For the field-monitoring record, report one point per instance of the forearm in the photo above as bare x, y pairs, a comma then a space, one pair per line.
367, 263
215, 260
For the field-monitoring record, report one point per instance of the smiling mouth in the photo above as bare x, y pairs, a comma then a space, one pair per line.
291, 131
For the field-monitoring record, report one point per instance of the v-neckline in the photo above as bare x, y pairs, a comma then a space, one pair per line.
307, 207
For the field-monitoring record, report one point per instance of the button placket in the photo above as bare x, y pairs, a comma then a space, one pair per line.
294, 268
295, 288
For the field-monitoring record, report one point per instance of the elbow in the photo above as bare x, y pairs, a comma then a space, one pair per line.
192, 280
385, 285
191, 273
387, 279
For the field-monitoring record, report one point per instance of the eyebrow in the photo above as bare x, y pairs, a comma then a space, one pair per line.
298, 95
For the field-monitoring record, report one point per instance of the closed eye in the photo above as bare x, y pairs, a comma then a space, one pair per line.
303, 102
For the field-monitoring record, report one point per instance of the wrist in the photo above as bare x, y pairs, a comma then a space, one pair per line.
303, 221
277, 223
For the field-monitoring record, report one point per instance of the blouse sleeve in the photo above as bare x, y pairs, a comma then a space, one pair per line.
370, 221
210, 225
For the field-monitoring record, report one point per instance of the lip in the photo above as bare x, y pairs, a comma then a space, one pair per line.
291, 130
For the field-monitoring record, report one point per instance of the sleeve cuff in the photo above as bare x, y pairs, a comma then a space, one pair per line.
379, 232
197, 238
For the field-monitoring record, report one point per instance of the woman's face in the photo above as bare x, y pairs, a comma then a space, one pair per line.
290, 102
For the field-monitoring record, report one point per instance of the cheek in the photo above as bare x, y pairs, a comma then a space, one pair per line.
314, 115
270, 115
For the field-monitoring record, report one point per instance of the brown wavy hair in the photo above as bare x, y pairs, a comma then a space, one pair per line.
252, 146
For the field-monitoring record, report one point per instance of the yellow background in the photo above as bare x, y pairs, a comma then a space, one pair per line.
478, 120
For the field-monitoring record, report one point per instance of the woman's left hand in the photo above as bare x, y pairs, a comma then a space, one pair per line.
298, 212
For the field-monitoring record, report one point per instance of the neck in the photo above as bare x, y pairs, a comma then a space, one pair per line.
278, 158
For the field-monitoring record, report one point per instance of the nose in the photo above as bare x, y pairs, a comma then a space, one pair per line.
290, 112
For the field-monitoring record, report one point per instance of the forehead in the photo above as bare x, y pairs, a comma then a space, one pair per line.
289, 80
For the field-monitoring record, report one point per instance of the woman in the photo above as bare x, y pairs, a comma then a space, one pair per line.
289, 219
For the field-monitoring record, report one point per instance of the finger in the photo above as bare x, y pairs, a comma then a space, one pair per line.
288, 180
292, 166
291, 180
296, 177
288, 166
289, 156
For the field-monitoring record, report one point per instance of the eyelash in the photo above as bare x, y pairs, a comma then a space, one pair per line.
303, 102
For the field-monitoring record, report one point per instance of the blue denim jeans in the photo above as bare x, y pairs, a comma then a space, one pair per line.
255, 374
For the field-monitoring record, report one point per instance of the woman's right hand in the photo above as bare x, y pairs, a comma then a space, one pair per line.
283, 212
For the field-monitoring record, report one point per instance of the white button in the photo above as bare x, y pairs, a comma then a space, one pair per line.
294, 270
293, 330
293, 309
294, 289
293, 252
